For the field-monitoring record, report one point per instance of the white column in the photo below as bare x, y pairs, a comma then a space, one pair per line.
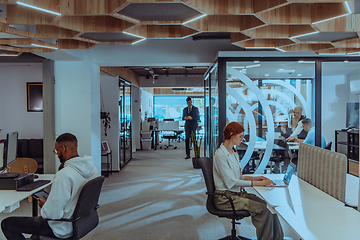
77, 105
135, 117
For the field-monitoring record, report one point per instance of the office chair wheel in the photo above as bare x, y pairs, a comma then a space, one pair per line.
175, 147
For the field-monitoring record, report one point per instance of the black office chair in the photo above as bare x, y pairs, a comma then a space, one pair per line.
85, 217
328, 146
279, 156
235, 215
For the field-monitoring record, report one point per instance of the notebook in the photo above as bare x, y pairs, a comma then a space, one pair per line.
287, 177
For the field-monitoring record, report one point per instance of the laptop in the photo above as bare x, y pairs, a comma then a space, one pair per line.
287, 177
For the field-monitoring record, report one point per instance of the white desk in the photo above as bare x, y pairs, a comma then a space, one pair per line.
261, 145
297, 193
322, 222
10, 199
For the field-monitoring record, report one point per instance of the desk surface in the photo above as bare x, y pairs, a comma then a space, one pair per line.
298, 193
322, 222
11, 197
261, 145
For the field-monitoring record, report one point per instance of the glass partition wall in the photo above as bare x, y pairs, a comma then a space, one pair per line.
125, 145
261, 96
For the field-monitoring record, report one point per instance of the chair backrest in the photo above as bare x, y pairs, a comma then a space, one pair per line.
328, 146
23, 165
86, 208
207, 170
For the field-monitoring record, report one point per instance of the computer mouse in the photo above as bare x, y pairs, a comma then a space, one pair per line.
36, 176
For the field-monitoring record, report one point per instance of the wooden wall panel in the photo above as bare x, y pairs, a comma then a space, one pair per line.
349, 23
90, 7
232, 7
51, 5
266, 5
321, 12
52, 32
295, 14
20, 15
226, 23
74, 44
94, 23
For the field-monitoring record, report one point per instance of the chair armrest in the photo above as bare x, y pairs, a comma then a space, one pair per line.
228, 197
62, 219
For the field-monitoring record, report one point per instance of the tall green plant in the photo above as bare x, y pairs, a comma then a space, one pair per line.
197, 146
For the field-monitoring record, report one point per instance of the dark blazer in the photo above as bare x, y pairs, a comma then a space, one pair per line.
191, 124
286, 134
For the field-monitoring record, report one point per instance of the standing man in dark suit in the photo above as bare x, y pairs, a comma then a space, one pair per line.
191, 116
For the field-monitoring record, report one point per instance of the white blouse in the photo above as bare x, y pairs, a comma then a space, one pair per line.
227, 171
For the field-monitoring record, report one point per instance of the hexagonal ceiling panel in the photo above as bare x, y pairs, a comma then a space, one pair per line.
109, 37
226, 23
328, 36
162, 31
159, 11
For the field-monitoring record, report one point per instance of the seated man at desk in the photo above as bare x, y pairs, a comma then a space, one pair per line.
310, 138
65, 191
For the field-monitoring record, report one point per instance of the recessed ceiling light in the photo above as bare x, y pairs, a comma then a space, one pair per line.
346, 61
266, 74
285, 71
256, 61
299, 75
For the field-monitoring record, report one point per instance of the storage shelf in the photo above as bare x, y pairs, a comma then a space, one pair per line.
352, 148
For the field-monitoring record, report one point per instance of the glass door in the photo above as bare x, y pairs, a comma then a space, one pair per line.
124, 123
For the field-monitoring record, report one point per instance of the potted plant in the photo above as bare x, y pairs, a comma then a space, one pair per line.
196, 148
105, 116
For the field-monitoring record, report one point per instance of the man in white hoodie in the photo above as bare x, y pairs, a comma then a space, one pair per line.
61, 202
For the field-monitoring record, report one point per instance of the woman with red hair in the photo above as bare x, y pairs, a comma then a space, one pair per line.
228, 179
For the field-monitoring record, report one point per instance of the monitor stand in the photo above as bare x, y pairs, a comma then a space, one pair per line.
9, 175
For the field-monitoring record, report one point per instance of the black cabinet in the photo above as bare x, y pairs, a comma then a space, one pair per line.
347, 142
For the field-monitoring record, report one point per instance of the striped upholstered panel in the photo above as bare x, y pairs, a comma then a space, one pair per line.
323, 169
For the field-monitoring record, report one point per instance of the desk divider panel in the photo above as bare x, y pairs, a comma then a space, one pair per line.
323, 169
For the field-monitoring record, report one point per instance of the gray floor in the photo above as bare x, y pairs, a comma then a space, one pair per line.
158, 195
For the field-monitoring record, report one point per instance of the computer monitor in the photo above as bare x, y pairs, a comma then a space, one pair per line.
10, 150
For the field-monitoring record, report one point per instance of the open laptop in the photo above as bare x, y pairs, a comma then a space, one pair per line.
287, 177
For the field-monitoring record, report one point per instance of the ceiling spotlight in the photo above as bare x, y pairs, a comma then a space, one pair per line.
346, 61
266, 74
256, 61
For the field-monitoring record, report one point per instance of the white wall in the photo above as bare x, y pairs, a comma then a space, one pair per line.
147, 104
77, 105
13, 100
335, 94
110, 103
135, 117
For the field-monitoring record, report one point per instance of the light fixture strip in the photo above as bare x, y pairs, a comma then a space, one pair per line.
134, 35
279, 49
37, 8
138, 41
348, 6
43, 46
331, 18
191, 20
8, 55
306, 34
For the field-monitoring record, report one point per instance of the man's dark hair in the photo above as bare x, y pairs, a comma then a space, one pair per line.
307, 121
188, 99
66, 137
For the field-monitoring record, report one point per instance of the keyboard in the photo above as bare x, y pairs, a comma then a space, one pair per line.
33, 185
279, 183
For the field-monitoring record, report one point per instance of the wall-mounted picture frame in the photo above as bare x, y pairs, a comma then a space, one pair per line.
34, 96
105, 146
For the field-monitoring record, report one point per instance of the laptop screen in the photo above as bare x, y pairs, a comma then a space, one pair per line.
289, 172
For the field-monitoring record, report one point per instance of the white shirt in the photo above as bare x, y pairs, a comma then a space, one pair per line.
227, 171
297, 130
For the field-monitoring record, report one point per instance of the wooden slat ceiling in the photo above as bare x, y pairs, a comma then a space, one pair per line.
251, 24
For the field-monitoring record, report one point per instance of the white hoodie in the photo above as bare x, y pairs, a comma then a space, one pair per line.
65, 192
